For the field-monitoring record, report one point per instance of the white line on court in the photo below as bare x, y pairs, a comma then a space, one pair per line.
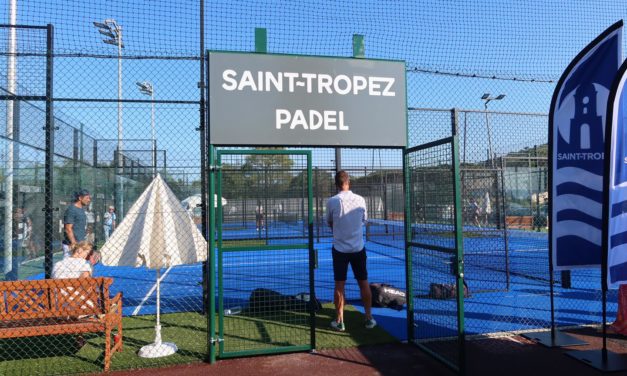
257, 263
37, 259
152, 289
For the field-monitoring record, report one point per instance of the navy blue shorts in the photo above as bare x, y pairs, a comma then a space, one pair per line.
357, 260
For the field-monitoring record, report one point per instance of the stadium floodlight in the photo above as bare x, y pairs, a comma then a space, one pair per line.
487, 98
113, 31
146, 87
107, 33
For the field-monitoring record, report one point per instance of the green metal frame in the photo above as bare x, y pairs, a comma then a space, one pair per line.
459, 245
261, 47
408, 253
211, 262
459, 251
216, 228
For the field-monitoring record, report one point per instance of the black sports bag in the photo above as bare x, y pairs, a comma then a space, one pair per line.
384, 295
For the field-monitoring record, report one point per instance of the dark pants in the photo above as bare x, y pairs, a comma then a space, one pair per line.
357, 261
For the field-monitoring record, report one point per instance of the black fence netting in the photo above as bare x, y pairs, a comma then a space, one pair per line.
105, 97
433, 251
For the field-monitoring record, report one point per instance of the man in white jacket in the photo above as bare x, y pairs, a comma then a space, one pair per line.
346, 215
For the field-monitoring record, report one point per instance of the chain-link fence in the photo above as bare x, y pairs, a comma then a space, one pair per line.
376, 175
437, 312
110, 94
79, 169
504, 185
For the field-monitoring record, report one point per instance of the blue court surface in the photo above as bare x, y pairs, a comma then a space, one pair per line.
508, 292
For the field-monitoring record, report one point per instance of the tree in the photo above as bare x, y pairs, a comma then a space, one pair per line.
267, 175
322, 181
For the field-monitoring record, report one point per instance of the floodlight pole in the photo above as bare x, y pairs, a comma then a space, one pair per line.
152, 134
120, 134
148, 89
111, 29
8, 182
487, 98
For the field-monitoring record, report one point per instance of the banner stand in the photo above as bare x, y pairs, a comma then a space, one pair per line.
603, 359
553, 337
575, 130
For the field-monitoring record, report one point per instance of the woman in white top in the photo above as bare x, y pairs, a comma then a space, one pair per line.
79, 264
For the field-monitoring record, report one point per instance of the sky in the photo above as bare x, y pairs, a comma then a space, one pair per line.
455, 51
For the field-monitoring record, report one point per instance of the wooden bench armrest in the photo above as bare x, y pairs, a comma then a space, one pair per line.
115, 305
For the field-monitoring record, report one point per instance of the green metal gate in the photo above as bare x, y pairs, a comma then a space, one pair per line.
435, 266
265, 260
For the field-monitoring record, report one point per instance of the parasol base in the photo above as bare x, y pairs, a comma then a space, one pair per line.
157, 350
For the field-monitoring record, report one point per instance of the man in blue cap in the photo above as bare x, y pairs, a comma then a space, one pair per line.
75, 221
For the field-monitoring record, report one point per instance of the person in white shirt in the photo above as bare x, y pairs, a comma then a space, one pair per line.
346, 215
259, 216
79, 264
109, 222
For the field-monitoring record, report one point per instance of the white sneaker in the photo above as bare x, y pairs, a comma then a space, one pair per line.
338, 326
370, 324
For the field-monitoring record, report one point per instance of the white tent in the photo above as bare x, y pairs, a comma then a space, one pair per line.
194, 201
157, 233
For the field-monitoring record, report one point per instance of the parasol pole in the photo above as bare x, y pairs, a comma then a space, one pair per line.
158, 326
158, 348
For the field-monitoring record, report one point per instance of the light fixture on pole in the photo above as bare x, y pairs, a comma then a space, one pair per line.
147, 88
113, 33
487, 98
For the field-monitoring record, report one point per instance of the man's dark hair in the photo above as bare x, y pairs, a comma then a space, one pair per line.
80, 193
341, 177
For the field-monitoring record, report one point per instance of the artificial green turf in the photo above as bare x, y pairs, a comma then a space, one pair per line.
356, 333
58, 355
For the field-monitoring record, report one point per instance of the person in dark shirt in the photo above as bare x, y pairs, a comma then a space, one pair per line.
75, 221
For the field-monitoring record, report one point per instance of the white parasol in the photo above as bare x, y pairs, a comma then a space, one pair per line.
157, 233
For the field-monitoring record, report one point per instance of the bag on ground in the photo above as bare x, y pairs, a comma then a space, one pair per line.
384, 295
306, 298
446, 290
265, 300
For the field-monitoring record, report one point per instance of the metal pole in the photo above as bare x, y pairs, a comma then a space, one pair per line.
459, 245
409, 192
11, 88
539, 189
81, 155
75, 158
207, 198
152, 130
158, 326
120, 192
487, 122
312, 256
318, 208
498, 221
48, 185
338, 159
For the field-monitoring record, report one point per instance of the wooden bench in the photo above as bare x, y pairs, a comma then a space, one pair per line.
61, 306
524, 222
